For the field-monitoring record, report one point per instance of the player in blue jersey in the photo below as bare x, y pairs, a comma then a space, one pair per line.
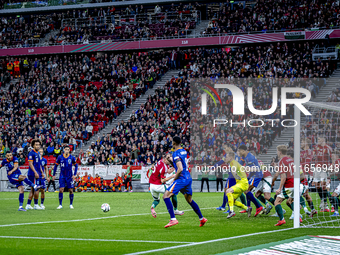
67, 177
42, 181
34, 173
230, 180
255, 176
182, 183
15, 177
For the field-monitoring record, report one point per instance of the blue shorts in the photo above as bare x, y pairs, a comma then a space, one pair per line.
181, 185
255, 181
66, 180
32, 179
230, 182
14, 179
41, 182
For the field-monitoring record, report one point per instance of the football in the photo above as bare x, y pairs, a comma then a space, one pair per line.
105, 207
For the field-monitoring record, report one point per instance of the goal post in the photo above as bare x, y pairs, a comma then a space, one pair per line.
316, 151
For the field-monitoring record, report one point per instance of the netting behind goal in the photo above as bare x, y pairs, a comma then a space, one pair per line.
319, 159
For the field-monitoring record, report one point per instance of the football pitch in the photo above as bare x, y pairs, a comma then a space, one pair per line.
129, 228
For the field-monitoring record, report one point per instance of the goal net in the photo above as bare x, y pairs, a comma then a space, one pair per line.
317, 141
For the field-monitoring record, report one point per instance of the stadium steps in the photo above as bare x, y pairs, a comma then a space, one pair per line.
288, 133
199, 28
124, 116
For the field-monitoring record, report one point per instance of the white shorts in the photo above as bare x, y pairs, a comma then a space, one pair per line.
319, 176
265, 185
337, 190
157, 190
289, 192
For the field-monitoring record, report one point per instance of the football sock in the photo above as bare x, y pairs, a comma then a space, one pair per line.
29, 201
239, 204
310, 204
21, 199
42, 201
231, 201
272, 200
335, 202
71, 198
28, 182
196, 208
168, 204
61, 195
262, 199
155, 203
279, 211
251, 197
225, 200
35, 201
243, 199
174, 201
319, 190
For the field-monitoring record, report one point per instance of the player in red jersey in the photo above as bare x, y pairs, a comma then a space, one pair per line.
323, 160
286, 189
158, 180
306, 156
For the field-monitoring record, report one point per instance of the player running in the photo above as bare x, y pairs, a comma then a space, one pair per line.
66, 161
255, 176
241, 185
158, 182
41, 181
286, 188
34, 173
182, 183
16, 178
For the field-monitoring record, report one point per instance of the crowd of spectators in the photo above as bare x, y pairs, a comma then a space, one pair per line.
147, 134
274, 15
67, 99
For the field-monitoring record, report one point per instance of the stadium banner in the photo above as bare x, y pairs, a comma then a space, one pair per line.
101, 170
170, 43
143, 177
113, 170
295, 35
83, 169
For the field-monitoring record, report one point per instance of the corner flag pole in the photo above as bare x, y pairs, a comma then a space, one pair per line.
297, 168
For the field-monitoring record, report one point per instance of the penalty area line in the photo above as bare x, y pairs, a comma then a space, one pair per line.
90, 240
89, 219
209, 241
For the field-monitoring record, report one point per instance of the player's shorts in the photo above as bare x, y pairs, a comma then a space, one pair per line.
328, 184
265, 186
230, 182
14, 179
181, 185
240, 187
320, 176
31, 178
41, 182
337, 190
66, 180
156, 190
255, 181
289, 192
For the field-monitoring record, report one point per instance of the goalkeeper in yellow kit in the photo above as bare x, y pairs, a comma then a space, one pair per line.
241, 185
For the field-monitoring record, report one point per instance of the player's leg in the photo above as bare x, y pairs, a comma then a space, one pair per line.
253, 182
310, 203
278, 208
188, 197
166, 197
42, 198
27, 181
61, 191
31, 194
70, 185
21, 198
130, 183
154, 190
175, 204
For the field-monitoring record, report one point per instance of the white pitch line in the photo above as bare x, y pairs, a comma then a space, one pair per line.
205, 242
92, 240
89, 219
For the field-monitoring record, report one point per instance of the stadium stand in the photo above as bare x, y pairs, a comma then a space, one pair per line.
65, 100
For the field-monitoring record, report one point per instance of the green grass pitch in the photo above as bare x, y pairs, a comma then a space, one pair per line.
130, 220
